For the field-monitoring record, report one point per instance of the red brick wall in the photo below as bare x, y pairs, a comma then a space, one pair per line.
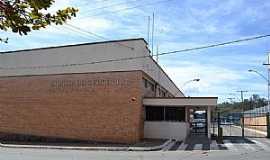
93, 106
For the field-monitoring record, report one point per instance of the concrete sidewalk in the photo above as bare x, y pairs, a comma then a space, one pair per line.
200, 142
154, 148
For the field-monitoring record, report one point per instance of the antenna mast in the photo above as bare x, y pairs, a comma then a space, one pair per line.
153, 28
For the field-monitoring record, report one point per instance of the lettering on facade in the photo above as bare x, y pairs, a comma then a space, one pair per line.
88, 85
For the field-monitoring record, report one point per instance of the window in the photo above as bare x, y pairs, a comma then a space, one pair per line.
148, 83
154, 113
163, 94
152, 86
174, 114
145, 83
165, 114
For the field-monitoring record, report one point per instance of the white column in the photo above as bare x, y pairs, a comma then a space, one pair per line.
209, 121
187, 114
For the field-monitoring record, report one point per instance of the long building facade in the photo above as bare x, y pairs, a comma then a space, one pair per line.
86, 92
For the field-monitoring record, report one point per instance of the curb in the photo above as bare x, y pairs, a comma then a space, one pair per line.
155, 148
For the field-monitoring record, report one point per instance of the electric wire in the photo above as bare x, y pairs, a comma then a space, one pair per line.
128, 8
145, 56
97, 35
108, 6
80, 34
81, 31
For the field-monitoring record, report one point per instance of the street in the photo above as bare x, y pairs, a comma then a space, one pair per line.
232, 130
237, 152
233, 148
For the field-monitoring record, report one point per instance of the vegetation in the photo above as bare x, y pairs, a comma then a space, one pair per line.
23, 16
255, 101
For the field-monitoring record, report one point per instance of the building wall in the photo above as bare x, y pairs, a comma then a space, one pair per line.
166, 130
82, 58
90, 106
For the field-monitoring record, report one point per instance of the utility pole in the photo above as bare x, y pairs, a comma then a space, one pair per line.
243, 110
268, 82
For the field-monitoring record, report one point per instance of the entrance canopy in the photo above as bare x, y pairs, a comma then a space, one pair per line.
181, 101
179, 109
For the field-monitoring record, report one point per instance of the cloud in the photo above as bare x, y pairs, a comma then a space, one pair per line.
214, 80
94, 24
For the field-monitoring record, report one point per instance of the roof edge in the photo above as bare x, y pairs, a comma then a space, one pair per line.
74, 45
180, 97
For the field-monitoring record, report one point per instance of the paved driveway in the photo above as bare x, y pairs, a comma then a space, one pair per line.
32, 154
233, 149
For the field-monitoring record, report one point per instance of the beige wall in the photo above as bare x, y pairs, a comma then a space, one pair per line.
166, 130
256, 121
57, 60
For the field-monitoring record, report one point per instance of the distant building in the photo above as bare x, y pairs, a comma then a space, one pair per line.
106, 91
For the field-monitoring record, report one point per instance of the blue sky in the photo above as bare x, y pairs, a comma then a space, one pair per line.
180, 24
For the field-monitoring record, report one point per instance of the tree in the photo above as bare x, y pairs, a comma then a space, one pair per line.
23, 16
255, 101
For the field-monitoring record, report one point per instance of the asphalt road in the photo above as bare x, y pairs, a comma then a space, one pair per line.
37, 154
231, 130
233, 148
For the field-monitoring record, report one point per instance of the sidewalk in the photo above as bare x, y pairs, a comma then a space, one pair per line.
152, 148
196, 142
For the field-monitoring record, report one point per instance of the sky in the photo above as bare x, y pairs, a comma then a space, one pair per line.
179, 24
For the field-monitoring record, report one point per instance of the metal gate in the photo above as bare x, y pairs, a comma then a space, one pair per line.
242, 125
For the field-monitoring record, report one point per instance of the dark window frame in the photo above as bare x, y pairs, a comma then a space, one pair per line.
154, 113
161, 113
145, 83
152, 86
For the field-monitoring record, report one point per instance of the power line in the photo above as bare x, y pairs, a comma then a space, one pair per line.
73, 30
124, 9
112, 5
97, 35
145, 56
94, 34
81, 31
130, 8
217, 45
74, 27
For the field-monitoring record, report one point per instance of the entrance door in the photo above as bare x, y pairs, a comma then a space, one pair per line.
199, 123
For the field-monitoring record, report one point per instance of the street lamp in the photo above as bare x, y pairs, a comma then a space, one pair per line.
268, 83
187, 82
192, 80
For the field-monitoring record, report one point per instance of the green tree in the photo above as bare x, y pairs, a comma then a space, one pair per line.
23, 16
255, 101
